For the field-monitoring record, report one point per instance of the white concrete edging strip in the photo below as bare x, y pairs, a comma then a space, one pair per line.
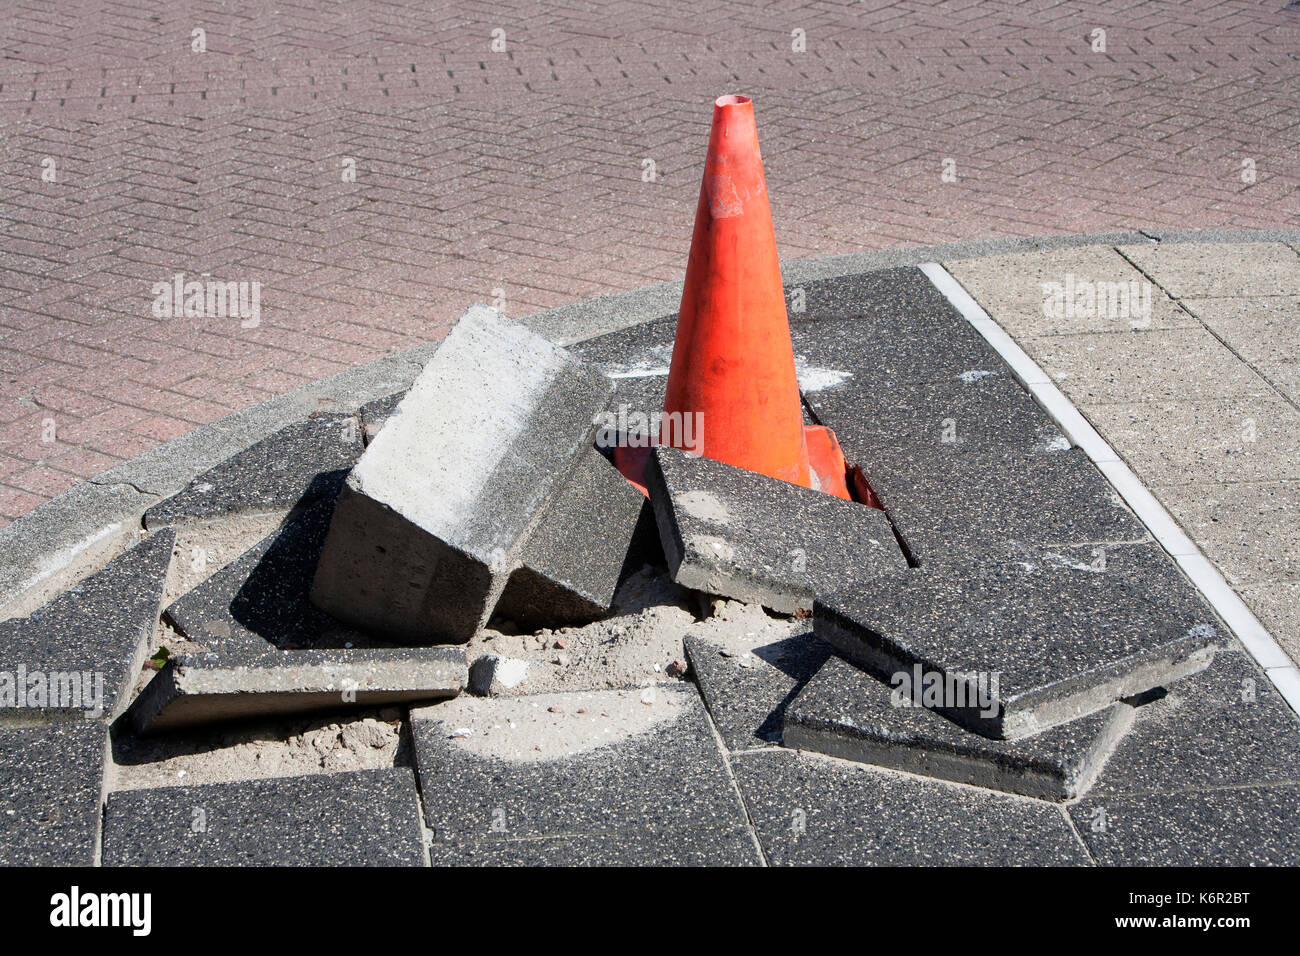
1203, 574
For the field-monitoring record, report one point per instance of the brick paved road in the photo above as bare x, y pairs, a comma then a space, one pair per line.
128, 157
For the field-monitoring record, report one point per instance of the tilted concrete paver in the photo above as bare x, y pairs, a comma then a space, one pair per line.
747, 693
1062, 641
79, 655
1224, 727
845, 712
260, 600
752, 538
596, 530
299, 463
201, 689
456, 482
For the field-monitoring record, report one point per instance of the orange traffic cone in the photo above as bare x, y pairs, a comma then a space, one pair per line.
733, 365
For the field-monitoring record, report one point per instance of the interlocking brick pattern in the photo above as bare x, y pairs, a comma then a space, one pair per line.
518, 176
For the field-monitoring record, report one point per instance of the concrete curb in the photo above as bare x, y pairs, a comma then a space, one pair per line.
83, 528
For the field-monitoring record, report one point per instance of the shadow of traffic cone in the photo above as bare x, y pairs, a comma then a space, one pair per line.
732, 388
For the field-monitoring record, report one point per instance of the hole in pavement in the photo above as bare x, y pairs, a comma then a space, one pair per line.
860, 489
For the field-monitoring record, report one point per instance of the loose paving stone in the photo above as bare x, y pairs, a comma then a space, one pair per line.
681, 846
746, 536
1224, 727
79, 655
360, 818
1062, 640
50, 790
299, 463
435, 515
580, 551
747, 692
208, 688
814, 810
964, 508
260, 600
1232, 826
639, 760
844, 712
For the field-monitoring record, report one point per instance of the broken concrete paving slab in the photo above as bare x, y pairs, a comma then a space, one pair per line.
435, 515
260, 600
1048, 643
813, 810
637, 760
208, 688
1227, 826
680, 846
1226, 726
359, 818
79, 655
581, 550
747, 688
845, 712
746, 536
51, 784
299, 463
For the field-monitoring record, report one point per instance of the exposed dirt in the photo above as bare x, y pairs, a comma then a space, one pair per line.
370, 739
636, 645
551, 726
200, 551
623, 657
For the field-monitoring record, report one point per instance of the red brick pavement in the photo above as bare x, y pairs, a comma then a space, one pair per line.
520, 173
